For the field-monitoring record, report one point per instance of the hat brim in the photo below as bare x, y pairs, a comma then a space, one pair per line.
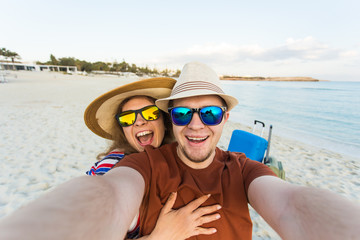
163, 103
99, 116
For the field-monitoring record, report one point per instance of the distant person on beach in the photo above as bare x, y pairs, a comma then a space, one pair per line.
128, 116
2, 77
189, 168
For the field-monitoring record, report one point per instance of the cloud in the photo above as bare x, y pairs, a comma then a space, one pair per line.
295, 57
347, 54
301, 49
306, 49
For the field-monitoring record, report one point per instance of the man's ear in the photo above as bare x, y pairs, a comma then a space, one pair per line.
226, 116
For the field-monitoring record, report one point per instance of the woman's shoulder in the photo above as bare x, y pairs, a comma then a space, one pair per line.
106, 163
115, 154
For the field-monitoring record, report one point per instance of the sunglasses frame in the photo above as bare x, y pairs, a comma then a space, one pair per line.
117, 116
197, 110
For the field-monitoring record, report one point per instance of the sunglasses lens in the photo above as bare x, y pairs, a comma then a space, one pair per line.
211, 115
126, 119
151, 113
181, 116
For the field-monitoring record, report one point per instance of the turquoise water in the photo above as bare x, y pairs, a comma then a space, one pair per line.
324, 114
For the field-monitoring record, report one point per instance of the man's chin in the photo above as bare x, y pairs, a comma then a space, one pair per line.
197, 158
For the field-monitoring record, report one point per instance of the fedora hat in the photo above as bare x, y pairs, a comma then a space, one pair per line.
99, 116
197, 79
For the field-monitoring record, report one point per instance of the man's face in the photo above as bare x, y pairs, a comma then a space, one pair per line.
197, 141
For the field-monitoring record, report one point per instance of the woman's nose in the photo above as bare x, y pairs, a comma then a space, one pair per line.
140, 120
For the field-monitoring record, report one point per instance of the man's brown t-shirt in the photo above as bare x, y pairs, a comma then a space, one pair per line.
227, 179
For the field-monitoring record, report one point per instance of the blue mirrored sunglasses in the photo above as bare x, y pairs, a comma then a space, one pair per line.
210, 115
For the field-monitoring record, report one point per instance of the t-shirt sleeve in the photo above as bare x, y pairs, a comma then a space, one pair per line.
253, 169
140, 162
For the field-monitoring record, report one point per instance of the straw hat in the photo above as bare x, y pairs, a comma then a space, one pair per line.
99, 116
197, 79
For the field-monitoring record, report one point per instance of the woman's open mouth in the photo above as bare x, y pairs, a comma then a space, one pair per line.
145, 137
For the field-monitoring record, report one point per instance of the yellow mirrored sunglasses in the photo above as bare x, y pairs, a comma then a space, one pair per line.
128, 118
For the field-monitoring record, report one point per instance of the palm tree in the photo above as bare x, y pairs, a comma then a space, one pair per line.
13, 56
2, 51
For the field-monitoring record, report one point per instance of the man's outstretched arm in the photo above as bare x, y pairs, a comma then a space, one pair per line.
87, 207
297, 212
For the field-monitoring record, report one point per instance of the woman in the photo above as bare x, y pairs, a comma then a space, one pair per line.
101, 118
128, 116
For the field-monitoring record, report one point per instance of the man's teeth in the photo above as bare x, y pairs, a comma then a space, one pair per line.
196, 138
143, 133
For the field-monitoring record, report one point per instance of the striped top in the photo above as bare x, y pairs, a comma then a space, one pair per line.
103, 166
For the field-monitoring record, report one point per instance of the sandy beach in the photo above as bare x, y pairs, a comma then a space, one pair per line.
44, 142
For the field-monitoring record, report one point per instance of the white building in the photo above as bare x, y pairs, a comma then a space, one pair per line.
35, 67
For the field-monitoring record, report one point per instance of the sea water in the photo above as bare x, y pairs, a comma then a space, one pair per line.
323, 114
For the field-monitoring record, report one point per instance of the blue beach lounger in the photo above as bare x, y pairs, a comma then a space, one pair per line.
255, 147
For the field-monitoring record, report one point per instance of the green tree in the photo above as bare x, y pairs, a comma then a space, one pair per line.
100, 66
84, 66
166, 72
154, 71
133, 68
124, 66
9, 54
177, 73
145, 70
13, 56
67, 61
2, 51
53, 60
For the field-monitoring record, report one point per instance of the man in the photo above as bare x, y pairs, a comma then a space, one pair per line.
191, 167
194, 166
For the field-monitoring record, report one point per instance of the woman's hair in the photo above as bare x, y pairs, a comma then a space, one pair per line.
119, 140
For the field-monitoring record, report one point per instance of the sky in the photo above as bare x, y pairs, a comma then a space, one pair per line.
317, 38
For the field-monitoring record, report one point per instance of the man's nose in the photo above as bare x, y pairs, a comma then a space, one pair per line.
196, 122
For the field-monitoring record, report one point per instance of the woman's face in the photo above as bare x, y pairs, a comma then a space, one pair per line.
143, 132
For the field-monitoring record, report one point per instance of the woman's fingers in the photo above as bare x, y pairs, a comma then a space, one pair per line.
201, 211
202, 220
197, 202
186, 221
206, 231
208, 218
199, 214
169, 203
